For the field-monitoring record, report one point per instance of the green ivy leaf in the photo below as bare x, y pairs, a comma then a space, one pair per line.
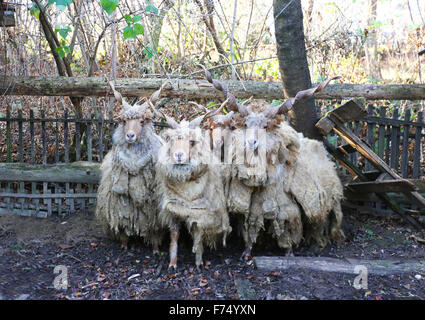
60, 4
109, 5
129, 32
60, 52
138, 29
137, 18
151, 8
128, 18
148, 51
34, 11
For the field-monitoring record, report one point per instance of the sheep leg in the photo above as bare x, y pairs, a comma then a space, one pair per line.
155, 248
174, 237
198, 248
124, 241
246, 254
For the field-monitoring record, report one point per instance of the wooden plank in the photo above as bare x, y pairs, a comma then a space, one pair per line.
347, 149
43, 138
383, 186
66, 137
418, 147
361, 147
77, 141
56, 142
405, 153
89, 143
76, 172
100, 131
32, 137
355, 171
20, 137
346, 265
48, 195
381, 134
369, 136
349, 111
395, 147
8, 136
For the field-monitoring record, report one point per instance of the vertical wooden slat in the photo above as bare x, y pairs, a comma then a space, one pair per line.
405, 154
36, 202
8, 136
357, 129
21, 188
417, 151
56, 142
369, 135
89, 142
32, 141
20, 137
100, 126
381, 134
43, 137
66, 138
77, 141
395, 147
387, 144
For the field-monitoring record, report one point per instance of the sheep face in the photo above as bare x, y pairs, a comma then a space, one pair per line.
135, 122
184, 151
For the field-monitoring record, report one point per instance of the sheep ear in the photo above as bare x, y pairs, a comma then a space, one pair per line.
118, 96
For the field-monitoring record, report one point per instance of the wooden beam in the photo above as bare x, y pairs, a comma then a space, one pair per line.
383, 186
76, 172
346, 265
190, 89
349, 111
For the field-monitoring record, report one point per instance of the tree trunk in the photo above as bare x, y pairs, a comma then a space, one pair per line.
293, 64
373, 70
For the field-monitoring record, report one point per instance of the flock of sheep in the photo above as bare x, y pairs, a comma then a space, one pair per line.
248, 164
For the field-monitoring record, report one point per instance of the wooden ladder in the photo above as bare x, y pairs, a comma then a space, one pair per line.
386, 180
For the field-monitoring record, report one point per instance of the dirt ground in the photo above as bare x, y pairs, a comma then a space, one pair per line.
98, 268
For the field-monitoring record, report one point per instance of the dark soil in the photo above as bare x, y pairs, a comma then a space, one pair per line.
99, 268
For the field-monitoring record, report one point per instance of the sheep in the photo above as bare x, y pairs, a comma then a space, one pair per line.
319, 194
190, 188
126, 198
276, 192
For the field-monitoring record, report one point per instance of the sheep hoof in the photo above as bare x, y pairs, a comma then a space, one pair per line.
289, 253
172, 267
246, 255
200, 268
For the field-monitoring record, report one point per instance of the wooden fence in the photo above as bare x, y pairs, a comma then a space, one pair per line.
51, 165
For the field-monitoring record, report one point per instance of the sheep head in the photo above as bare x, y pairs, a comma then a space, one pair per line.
135, 121
186, 148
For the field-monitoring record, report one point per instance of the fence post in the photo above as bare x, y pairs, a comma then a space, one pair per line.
417, 152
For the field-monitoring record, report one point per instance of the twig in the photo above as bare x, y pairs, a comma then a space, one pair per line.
232, 36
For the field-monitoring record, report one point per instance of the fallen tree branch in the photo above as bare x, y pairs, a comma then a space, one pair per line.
192, 89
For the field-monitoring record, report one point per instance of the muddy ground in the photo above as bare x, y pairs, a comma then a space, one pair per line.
98, 268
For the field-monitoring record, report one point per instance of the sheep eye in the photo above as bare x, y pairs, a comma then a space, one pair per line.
142, 121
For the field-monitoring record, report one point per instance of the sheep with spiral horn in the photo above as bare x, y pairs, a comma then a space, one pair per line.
127, 201
299, 198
